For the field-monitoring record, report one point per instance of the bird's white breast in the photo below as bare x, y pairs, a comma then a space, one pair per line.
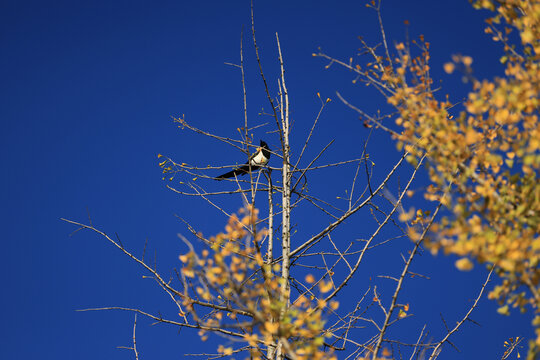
259, 159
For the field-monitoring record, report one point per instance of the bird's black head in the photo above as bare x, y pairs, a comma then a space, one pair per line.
265, 149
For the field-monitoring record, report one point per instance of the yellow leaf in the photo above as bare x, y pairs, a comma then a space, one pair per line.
527, 36
239, 277
472, 136
464, 264
503, 310
406, 216
188, 272
499, 100
251, 339
449, 67
302, 300
325, 287
502, 115
467, 61
203, 293
225, 350
183, 258
271, 327
413, 234
310, 279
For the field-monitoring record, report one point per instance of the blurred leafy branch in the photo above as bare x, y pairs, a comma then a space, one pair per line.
488, 152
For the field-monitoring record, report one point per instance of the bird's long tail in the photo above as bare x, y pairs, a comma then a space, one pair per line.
242, 170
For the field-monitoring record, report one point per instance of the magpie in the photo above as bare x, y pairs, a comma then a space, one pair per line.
256, 161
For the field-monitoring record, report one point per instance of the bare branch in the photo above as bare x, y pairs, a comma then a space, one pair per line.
437, 349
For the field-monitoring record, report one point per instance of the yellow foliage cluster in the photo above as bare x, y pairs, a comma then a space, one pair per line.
486, 159
243, 288
167, 168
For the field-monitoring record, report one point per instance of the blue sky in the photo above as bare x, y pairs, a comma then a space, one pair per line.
87, 94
